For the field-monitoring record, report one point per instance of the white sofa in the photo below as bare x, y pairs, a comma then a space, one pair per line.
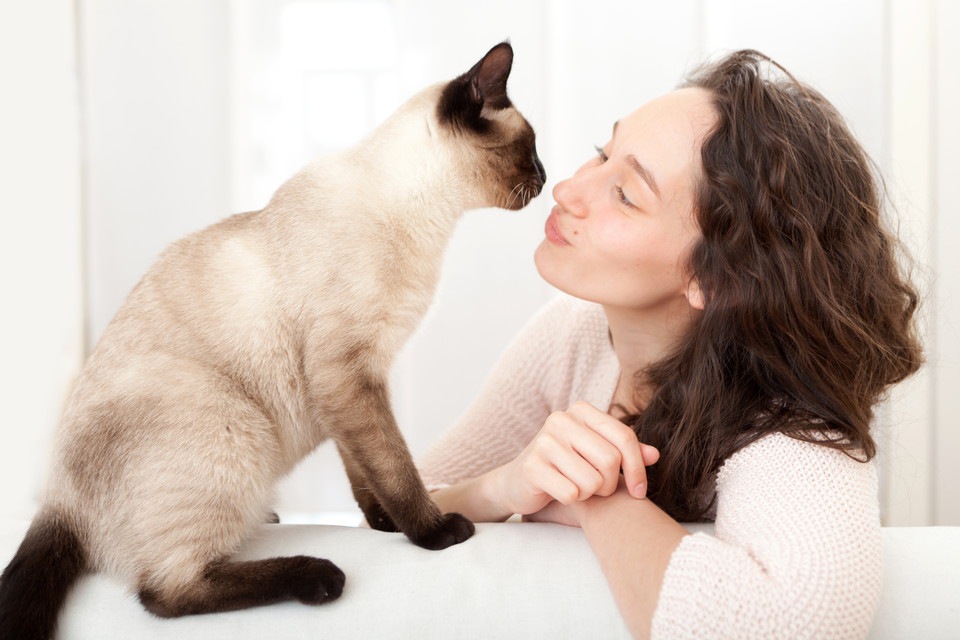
511, 580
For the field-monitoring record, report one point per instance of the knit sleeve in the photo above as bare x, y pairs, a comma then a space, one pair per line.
797, 550
532, 378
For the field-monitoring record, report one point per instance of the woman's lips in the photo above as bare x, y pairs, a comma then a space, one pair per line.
552, 230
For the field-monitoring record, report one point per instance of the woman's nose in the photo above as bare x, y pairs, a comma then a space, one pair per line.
570, 195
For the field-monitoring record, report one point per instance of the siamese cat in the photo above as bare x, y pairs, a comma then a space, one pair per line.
249, 343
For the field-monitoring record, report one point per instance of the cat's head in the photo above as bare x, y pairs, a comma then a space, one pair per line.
496, 147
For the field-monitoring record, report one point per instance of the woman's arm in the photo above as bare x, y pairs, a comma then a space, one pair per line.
476, 499
797, 550
562, 355
578, 453
633, 541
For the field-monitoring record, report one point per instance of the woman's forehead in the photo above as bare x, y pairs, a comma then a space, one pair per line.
666, 133
685, 112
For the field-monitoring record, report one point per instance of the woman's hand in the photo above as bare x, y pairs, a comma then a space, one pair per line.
577, 454
571, 515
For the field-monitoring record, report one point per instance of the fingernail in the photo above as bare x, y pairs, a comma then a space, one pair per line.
640, 491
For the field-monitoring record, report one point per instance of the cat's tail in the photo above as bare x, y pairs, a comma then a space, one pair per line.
35, 584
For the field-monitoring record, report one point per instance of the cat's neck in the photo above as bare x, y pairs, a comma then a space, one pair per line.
411, 170
398, 175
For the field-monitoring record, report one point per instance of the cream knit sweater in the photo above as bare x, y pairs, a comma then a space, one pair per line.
796, 551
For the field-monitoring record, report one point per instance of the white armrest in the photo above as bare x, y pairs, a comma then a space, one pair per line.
511, 580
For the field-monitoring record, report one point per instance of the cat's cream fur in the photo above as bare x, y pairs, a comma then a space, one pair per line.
252, 341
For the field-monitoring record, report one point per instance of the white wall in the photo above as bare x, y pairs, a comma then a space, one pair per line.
910, 419
196, 110
945, 352
41, 346
156, 134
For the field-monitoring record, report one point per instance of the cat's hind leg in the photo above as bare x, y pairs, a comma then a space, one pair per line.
228, 586
195, 489
189, 525
188, 528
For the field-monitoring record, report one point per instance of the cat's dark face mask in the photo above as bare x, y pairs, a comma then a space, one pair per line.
475, 109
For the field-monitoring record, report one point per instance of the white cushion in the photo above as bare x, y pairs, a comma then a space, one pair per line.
512, 580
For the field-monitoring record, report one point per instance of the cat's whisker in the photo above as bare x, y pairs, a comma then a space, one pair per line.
512, 196
514, 193
526, 194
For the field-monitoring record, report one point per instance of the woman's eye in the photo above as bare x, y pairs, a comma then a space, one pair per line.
620, 194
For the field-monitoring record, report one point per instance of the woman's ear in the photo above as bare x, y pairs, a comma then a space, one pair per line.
694, 294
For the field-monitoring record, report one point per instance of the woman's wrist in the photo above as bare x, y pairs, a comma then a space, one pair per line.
595, 507
480, 499
490, 490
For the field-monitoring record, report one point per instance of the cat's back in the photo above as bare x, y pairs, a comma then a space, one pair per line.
208, 306
220, 275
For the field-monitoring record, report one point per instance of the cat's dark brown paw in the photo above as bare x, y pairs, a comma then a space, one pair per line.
453, 529
273, 518
316, 581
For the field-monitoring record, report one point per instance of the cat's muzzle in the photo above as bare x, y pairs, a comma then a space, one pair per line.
529, 188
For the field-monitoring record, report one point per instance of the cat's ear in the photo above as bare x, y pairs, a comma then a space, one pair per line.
488, 78
484, 86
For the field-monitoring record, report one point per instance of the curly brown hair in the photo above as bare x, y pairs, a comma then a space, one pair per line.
809, 314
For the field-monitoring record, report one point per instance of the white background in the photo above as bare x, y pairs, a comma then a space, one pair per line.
124, 125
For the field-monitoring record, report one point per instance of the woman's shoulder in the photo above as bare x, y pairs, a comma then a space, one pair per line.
574, 314
803, 457
557, 335
565, 325
566, 347
573, 329
796, 522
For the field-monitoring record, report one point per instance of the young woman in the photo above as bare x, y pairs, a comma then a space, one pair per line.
736, 308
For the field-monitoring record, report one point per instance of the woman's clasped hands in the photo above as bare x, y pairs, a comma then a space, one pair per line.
577, 454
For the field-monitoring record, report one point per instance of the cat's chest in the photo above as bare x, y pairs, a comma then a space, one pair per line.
383, 291
403, 292
403, 271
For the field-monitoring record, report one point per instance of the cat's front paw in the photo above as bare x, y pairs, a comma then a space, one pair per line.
453, 529
314, 581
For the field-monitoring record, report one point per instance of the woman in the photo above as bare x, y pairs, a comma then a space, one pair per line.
736, 305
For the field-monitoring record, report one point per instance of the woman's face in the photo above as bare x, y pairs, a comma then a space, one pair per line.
623, 224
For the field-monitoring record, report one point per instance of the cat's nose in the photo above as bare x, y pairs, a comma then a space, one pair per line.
540, 171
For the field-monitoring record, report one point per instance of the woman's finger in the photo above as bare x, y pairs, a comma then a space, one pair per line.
623, 438
650, 454
581, 472
568, 429
601, 454
559, 486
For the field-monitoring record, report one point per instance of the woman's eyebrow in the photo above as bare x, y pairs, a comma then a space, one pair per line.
641, 170
646, 175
